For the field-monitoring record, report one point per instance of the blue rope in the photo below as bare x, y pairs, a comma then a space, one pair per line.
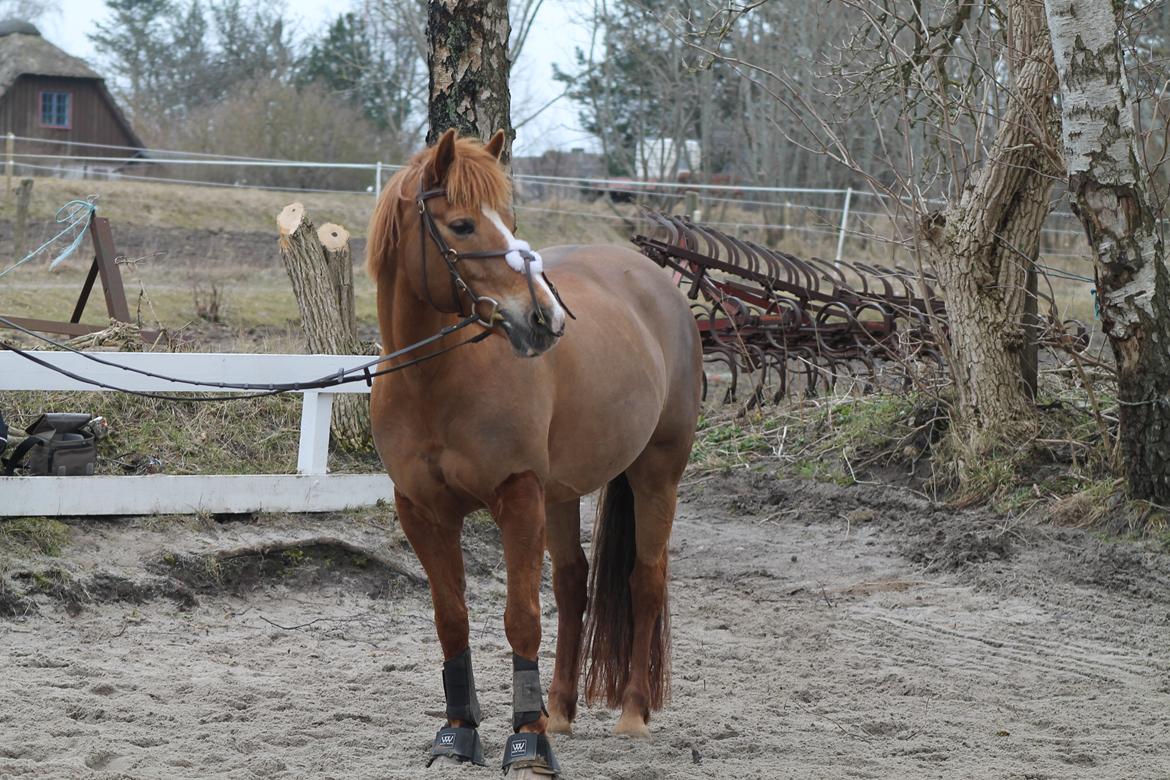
72, 214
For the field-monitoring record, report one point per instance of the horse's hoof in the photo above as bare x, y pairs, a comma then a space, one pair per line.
559, 724
529, 756
457, 744
631, 725
530, 773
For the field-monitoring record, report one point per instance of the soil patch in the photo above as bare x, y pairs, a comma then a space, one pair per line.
819, 631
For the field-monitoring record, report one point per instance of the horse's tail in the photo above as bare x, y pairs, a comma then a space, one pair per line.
609, 633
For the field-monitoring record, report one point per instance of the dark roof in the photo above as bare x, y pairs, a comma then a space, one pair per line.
9, 26
23, 52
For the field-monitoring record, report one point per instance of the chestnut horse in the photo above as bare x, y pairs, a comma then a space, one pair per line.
540, 412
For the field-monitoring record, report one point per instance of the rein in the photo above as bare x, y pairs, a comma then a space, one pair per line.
362, 373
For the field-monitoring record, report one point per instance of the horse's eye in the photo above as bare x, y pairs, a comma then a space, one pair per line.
462, 227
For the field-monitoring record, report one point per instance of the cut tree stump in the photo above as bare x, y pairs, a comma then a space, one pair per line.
335, 241
319, 265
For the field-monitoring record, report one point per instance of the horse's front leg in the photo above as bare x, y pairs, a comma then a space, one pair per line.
519, 511
435, 539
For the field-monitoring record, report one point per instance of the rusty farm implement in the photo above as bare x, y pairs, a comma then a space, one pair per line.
803, 325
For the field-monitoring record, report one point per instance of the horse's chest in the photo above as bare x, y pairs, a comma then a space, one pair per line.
432, 451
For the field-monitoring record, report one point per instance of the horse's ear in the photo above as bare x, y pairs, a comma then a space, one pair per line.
444, 156
495, 147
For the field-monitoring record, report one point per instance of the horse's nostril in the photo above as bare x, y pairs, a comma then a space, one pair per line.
535, 319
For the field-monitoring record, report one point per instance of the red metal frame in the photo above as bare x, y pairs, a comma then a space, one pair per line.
105, 266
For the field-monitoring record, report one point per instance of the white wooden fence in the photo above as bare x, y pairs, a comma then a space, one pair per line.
311, 489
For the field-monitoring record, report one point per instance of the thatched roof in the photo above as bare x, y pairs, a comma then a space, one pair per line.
23, 51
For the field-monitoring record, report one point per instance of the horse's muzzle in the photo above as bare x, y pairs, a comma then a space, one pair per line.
532, 334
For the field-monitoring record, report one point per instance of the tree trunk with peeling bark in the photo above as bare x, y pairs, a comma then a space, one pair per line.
1112, 198
320, 267
982, 246
467, 56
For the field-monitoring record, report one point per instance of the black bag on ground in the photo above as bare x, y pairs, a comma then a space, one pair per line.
58, 445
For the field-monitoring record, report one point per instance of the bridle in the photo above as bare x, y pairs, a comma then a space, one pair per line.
459, 286
365, 372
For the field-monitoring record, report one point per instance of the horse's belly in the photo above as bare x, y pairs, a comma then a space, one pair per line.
584, 460
613, 385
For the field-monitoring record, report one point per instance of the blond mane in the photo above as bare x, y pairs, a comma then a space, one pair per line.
475, 179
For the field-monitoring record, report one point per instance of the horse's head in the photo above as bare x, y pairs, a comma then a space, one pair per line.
446, 222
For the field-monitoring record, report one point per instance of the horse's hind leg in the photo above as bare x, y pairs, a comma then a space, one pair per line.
653, 478
570, 585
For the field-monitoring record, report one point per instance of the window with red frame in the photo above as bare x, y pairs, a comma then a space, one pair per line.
55, 109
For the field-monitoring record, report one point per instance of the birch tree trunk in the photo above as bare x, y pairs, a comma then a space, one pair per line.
982, 245
1112, 198
467, 56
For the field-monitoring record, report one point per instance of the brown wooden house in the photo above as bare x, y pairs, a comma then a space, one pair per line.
50, 95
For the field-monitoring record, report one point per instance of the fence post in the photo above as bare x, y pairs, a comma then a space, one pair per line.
378, 180
313, 452
844, 224
10, 150
691, 199
20, 229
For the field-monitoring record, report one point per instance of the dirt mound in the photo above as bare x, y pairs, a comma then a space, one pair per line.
971, 542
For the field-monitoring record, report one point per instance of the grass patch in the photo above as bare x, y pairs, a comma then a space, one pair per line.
198, 207
725, 439
35, 535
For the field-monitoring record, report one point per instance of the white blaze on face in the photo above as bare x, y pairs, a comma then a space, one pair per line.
516, 263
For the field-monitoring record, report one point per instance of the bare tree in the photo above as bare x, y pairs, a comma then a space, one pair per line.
1113, 198
983, 245
956, 101
29, 10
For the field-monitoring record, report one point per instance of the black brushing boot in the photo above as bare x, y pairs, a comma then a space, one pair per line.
459, 742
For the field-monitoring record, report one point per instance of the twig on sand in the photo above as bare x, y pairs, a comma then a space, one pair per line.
699, 480
855, 734
311, 622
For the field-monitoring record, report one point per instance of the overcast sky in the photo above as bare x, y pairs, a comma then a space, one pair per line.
553, 40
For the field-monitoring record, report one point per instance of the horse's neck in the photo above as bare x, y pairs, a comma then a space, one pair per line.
402, 317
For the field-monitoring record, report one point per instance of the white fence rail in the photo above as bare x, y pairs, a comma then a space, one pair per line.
311, 489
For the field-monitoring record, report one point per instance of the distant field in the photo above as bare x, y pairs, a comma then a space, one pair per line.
188, 240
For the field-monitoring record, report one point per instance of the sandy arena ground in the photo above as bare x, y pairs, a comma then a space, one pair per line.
819, 632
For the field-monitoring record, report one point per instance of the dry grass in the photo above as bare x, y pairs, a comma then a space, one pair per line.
195, 207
